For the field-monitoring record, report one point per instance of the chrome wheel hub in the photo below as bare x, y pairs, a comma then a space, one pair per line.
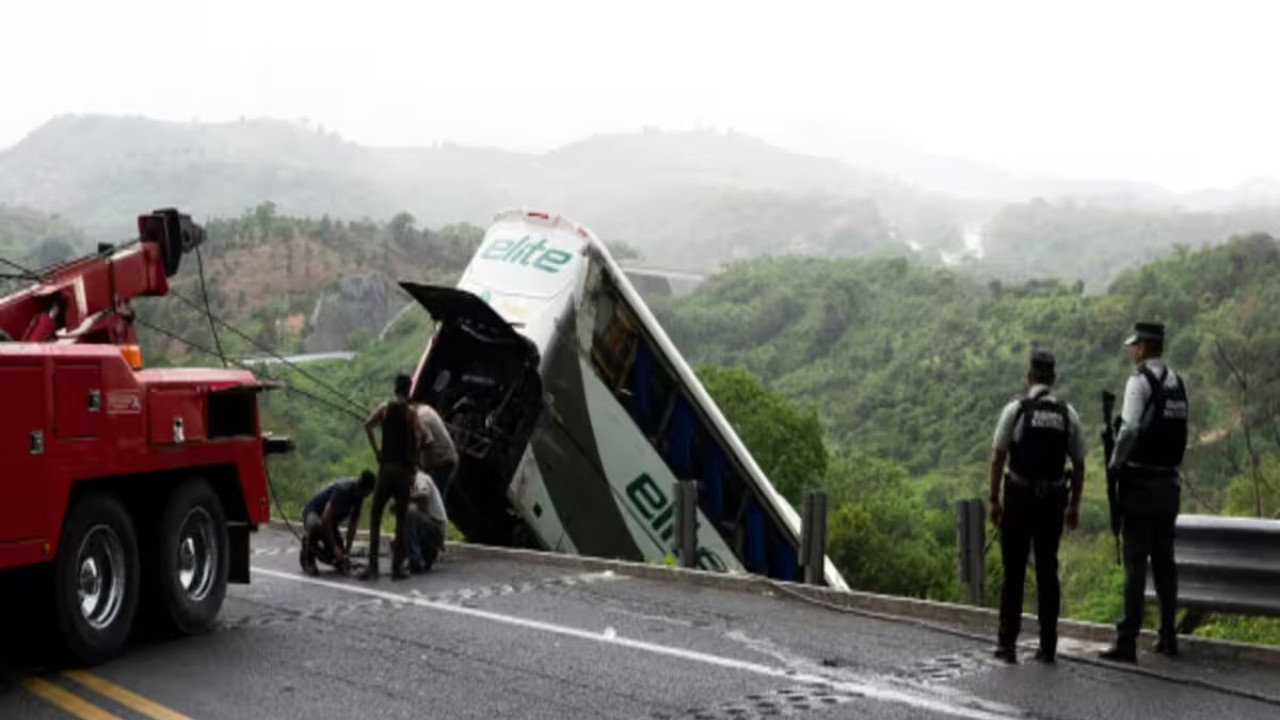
197, 554
102, 577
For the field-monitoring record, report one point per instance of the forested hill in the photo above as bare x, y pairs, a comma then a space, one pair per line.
710, 196
913, 364
686, 200
34, 239
295, 284
1096, 243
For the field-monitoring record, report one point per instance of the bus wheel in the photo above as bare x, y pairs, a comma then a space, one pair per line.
96, 579
191, 571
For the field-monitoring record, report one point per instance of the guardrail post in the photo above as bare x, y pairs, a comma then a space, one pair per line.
813, 536
971, 549
686, 511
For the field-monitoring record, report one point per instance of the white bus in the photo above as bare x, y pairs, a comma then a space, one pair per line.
574, 414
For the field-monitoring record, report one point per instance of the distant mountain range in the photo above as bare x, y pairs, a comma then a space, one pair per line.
976, 180
690, 200
98, 171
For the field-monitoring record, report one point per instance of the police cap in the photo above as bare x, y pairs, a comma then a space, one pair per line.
1145, 332
1043, 361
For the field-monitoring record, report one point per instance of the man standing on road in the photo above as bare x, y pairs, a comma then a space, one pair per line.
402, 432
439, 455
324, 513
1149, 447
1035, 437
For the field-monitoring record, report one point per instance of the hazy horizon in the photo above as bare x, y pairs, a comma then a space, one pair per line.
1147, 92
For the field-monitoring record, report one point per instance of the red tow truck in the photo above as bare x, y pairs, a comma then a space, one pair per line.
128, 486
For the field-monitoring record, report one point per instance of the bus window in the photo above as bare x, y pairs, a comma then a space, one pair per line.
614, 343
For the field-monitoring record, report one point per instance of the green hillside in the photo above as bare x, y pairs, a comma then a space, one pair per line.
33, 239
912, 364
303, 284
729, 195
1097, 243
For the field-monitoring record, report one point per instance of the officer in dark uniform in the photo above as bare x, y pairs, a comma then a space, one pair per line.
1149, 448
1035, 437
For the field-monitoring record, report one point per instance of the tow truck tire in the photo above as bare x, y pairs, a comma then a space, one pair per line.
96, 579
191, 570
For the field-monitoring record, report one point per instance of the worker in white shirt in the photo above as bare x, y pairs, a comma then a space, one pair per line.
427, 523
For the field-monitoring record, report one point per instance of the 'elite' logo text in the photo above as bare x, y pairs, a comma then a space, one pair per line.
527, 254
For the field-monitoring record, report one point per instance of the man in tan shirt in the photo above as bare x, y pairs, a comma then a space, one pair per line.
438, 455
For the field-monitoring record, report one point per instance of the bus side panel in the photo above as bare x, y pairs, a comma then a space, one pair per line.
568, 457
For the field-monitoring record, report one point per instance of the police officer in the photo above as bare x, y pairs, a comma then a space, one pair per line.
1035, 437
1149, 448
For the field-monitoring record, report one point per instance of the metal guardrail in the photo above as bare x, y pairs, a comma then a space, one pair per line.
1225, 565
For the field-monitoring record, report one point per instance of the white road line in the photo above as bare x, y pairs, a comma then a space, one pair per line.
873, 692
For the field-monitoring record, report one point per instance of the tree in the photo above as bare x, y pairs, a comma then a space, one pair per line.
264, 216
401, 227
1245, 350
881, 535
786, 439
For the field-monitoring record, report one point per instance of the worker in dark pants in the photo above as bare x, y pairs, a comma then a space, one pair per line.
1035, 437
401, 434
1150, 444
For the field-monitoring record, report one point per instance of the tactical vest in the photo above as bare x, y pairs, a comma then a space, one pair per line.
1162, 439
397, 435
1039, 454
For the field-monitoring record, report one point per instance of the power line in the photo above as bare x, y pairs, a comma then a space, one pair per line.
263, 348
356, 409
26, 271
352, 410
213, 353
204, 291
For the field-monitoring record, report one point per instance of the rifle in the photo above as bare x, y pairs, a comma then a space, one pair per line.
1108, 450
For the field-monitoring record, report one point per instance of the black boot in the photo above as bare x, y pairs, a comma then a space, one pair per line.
308, 560
1120, 653
1007, 653
1046, 655
1167, 645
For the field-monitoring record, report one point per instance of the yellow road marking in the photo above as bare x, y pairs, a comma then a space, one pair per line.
65, 700
127, 698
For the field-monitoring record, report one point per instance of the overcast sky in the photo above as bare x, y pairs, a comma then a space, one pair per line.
1182, 94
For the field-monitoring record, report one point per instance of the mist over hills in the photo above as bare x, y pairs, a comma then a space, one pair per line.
688, 200
98, 170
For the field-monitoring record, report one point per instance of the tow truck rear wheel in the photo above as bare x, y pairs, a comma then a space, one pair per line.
191, 571
96, 579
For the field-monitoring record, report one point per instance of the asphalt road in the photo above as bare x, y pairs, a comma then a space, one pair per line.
490, 638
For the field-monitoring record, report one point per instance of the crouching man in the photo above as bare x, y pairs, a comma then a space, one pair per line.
427, 524
324, 513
